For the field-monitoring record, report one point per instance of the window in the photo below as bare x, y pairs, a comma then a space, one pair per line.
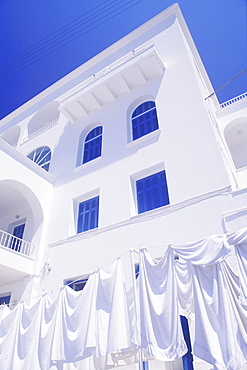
188, 357
18, 233
137, 270
152, 192
145, 365
4, 300
77, 284
88, 215
93, 144
144, 120
41, 156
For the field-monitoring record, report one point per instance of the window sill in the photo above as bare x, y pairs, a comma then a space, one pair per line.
143, 138
85, 165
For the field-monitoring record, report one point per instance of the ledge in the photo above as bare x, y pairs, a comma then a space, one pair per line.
120, 77
143, 138
87, 164
22, 159
152, 214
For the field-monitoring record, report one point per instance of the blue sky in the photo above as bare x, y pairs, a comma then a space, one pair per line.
43, 40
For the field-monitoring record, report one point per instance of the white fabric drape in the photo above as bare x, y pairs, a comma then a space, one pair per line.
95, 321
220, 319
239, 239
96, 327
220, 316
183, 275
205, 251
74, 333
159, 330
241, 253
26, 336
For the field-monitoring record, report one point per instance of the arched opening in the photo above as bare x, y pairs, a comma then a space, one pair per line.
236, 138
44, 117
11, 136
21, 214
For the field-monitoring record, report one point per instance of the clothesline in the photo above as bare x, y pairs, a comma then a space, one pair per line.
99, 322
175, 247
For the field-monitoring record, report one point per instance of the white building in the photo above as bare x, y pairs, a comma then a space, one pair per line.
138, 110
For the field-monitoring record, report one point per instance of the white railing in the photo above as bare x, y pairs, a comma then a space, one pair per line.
16, 244
232, 101
41, 130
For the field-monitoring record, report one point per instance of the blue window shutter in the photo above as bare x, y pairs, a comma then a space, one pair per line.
145, 365
88, 215
18, 231
4, 300
188, 357
93, 145
152, 192
144, 120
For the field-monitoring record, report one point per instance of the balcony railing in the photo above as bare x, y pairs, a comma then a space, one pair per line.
42, 129
16, 244
232, 101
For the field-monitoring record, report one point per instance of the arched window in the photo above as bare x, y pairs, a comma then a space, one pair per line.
144, 119
41, 156
93, 144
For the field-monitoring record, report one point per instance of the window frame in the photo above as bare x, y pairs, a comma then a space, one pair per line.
88, 141
3, 297
154, 121
80, 228
36, 157
73, 282
162, 188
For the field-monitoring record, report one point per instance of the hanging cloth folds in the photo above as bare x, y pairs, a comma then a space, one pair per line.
183, 276
159, 330
113, 315
95, 321
26, 336
220, 319
206, 251
74, 332
96, 327
239, 239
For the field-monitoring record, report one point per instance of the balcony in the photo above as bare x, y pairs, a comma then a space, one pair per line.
232, 106
16, 244
232, 101
16, 258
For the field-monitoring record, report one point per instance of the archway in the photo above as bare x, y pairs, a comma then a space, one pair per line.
18, 205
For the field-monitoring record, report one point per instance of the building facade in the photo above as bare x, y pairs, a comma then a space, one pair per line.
127, 151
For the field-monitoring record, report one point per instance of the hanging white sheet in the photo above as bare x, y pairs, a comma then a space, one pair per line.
26, 336
239, 239
206, 251
74, 332
220, 319
94, 327
159, 330
95, 321
184, 286
241, 253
